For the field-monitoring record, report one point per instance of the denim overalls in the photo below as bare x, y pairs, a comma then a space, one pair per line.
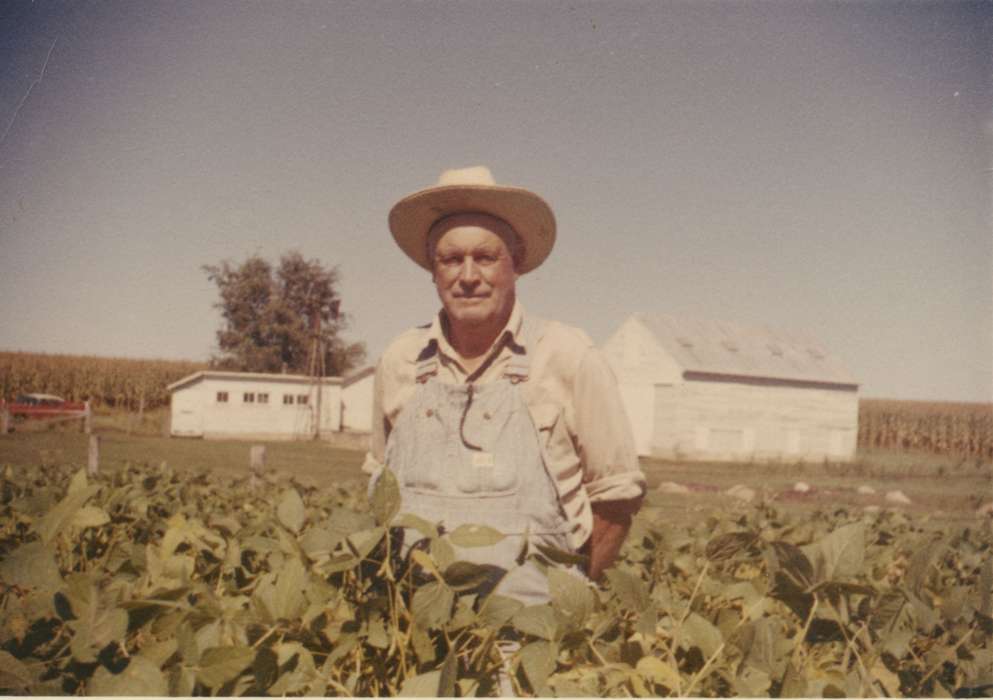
470, 455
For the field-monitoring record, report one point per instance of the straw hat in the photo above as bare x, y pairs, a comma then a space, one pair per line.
473, 190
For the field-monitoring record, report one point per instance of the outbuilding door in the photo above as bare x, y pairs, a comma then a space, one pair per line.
187, 422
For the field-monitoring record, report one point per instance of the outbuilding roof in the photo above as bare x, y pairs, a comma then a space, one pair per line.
707, 347
261, 376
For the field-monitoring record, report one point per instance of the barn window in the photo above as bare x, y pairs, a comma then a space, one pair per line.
287, 399
815, 353
222, 397
729, 345
263, 398
775, 349
302, 398
685, 342
248, 397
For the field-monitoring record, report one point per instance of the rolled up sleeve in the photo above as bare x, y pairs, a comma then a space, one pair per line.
375, 457
603, 433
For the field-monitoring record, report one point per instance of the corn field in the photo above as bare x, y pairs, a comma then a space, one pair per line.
106, 381
930, 426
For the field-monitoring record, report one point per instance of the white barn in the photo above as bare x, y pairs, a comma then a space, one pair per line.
713, 390
215, 404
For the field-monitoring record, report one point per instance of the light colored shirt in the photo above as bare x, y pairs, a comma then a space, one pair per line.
571, 393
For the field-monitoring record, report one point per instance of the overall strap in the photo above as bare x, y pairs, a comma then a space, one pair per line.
427, 362
519, 366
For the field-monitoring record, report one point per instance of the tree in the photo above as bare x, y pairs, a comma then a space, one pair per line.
273, 316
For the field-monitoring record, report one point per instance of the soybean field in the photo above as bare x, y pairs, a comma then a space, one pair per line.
148, 578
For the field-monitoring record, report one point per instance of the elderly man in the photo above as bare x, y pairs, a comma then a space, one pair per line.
489, 415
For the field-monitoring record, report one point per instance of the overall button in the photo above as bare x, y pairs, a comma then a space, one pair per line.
487, 415
429, 412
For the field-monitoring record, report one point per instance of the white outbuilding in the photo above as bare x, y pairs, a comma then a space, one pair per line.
714, 390
249, 405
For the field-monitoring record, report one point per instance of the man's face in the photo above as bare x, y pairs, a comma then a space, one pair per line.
474, 270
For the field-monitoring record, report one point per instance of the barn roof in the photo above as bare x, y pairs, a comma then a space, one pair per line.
706, 347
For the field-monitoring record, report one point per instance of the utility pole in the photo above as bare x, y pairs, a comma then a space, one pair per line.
316, 368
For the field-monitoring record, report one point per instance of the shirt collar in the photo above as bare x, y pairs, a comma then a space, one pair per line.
512, 333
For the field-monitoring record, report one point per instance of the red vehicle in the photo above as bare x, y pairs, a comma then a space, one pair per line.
42, 406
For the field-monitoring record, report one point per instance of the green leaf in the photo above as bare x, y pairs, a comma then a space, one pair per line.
631, 591
752, 682
291, 512
423, 646
385, 499
698, 632
265, 668
537, 620
432, 604
182, 681
221, 664
841, 554
571, 596
362, 543
61, 515
141, 677
31, 565
14, 675
560, 556
376, 634
657, 671
159, 652
986, 587
920, 564
96, 631
538, 659
289, 601
318, 542
413, 522
89, 516
893, 620
475, 536
794, 684
788, 558
443, 553
425, 685
729, 545
344, 521
647, 623
79, 482
497, 610
463, 575
423, 560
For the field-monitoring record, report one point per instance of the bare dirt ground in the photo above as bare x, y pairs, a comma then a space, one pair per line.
945, 487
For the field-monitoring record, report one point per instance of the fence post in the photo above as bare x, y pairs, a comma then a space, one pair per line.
87, 419
93, 465
257, 463
4, 419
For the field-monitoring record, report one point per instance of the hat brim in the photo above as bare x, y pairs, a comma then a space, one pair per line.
528, 214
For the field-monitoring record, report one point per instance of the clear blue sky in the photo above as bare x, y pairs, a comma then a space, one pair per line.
817, 167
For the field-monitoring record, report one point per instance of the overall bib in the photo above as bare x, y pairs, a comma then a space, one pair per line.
471, 455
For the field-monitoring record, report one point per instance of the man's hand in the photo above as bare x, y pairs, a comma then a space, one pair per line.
611, 522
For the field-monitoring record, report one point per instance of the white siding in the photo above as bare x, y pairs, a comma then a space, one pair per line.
736, 421
272, 419
186, 412
639, 402
356, 404
637, 358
